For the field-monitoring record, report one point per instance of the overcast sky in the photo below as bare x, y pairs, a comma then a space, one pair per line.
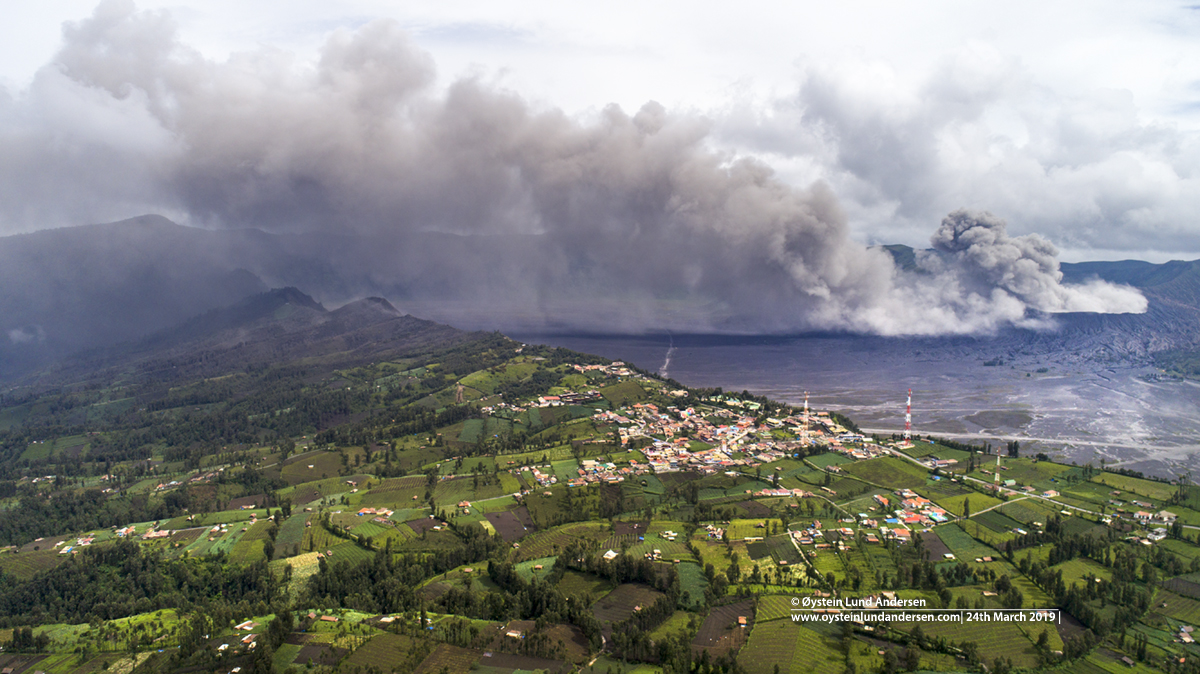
1075, 120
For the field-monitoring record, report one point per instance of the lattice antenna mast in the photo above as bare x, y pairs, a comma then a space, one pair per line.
908, 418
804, 435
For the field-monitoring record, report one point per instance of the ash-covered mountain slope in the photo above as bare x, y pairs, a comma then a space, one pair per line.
1171, 321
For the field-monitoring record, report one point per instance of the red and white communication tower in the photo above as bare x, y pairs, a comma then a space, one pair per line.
908, 418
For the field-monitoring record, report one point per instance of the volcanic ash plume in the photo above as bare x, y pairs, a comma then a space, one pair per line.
468, 199
974, 252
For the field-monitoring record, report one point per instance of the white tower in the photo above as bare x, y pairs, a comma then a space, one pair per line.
804, 434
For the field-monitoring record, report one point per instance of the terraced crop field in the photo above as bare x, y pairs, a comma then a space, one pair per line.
319, 466
1075, 570
670, 549
349, 552
691, 581
251, 545
1031, 472
879, 559
829, 459
996, 521
448, 659
979, 502
962, 545
290, 536
576, 584
26, 565
826, 562
999, 639
550, 542
316, 488
889, 472
1026, 511
1177, 607
317, 539
774, 607
720, 633
619, 604
623, 393
371, 529
772, 644
1105, 662
943, 489
459, 489
396, 492
1159, 491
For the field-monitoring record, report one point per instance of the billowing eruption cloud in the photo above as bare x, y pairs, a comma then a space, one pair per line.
983, 258
471, 200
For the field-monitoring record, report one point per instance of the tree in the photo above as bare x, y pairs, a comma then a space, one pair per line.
967, 508
970, 651
918, 636
890, 662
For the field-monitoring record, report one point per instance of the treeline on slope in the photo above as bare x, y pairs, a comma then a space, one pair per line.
195, 654
1105, 606
121, 579
190, 435
187, 434
400, 420
238, 409
37, 515
386, 582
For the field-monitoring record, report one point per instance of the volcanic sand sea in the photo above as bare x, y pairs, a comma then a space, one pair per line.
1076, 411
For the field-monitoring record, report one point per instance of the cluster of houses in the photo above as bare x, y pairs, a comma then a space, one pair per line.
593, 472
1160, 517
568, 399
207, 477
615, 369
914, 510
861, 449
502, 406
814, 535
378, 514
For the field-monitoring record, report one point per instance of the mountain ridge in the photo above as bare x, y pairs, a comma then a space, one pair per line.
254, 332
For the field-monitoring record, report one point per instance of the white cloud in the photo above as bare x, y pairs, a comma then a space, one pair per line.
27, 335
